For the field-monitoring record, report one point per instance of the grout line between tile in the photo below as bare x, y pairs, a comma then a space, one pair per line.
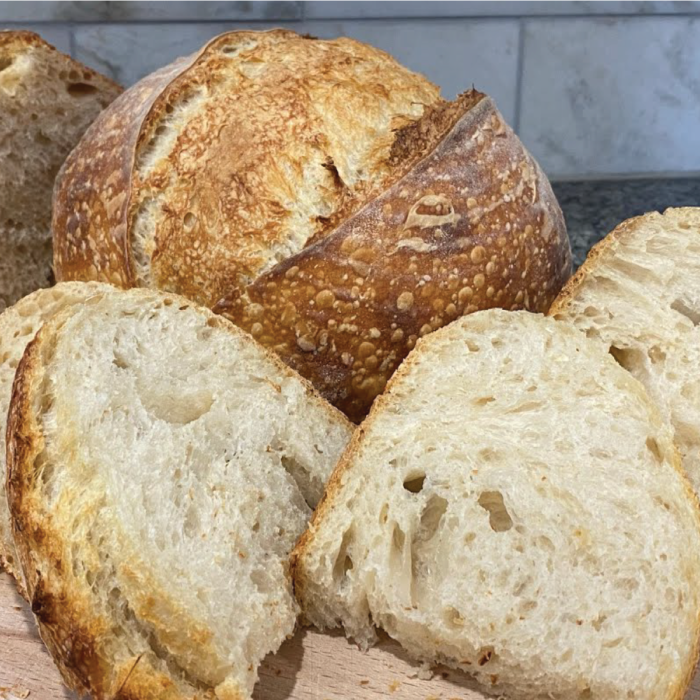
71, 40
304, 18
519, 75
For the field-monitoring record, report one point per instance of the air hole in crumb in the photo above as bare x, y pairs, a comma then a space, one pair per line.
499, 518
453, 617
299, 473
483, 400
81, 89
260, 580
398, 538
414, 484
343, 562
653, 447
598, 622
119, 361
486, 655
431, 517
682, 308
656, 354
5, 62
191, 526
613, 642
627, 358
190, 221
660, 501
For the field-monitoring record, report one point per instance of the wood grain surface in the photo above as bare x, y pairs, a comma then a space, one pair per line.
311, 666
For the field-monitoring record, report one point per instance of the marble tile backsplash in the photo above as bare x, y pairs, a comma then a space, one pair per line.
593, 88
612, 95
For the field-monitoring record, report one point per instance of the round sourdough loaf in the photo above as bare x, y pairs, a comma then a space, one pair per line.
318, 194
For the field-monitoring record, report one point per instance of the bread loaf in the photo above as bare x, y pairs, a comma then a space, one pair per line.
514, 507
18, 326
161, 465
47, 100
639, 293
318, 194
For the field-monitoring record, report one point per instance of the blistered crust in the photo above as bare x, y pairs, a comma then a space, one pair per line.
93, 189
338, 263
474, 225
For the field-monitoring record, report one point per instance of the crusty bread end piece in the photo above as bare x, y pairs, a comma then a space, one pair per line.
47, 101
639, 293
514, 507
161, 466
18, 326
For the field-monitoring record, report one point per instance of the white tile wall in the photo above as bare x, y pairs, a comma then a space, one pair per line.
454, 55
594, 88
62, 11
483, 55
127, 52
60, 37
612, 96
52, 10
204, 9
501, 8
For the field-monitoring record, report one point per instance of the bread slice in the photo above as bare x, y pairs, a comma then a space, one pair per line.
514, 507
639, 293
47, 100
18, 326
161, 467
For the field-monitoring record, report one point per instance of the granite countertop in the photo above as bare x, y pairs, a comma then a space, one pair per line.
594, 207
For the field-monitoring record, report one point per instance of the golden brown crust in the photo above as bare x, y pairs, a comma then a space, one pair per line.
455, 217
16, 41
92, 193
486, 233
94, 220
64, 628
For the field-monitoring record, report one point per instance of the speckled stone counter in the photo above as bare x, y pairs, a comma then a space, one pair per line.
593, 208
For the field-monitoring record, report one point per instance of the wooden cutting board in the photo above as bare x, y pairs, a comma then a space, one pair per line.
311, 666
